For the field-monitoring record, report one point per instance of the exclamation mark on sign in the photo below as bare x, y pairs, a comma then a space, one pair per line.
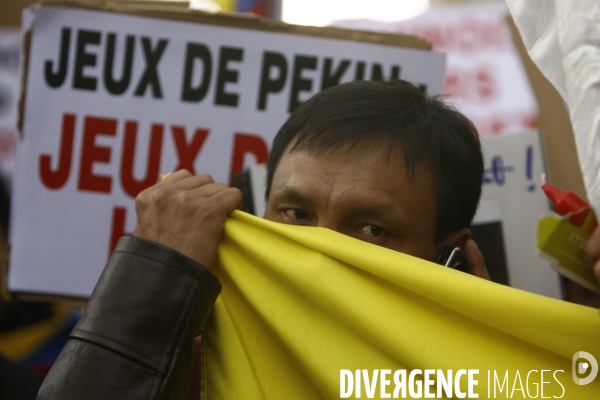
529, 168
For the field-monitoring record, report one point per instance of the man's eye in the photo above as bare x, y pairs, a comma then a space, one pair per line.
296, 213
371, 230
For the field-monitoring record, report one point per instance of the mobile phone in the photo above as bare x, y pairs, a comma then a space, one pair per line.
452, 257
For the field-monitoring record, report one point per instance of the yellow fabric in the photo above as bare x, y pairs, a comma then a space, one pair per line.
299, 304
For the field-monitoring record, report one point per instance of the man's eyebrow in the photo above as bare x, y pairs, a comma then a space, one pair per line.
286, 192
382, 211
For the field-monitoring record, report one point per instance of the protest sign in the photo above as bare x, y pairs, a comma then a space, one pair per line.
114, 99
485, 76
511, 202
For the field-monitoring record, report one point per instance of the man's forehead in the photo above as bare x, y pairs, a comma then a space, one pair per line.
383, 148
301, 175
383, 157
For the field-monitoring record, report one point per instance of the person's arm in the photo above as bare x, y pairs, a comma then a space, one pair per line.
135, 337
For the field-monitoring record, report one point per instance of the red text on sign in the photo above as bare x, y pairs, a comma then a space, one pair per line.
93, 154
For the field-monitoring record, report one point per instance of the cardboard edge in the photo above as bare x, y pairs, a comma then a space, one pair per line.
25, 46
178, 12
558, 140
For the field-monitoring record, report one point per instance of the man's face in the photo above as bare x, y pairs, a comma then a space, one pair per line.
360, 195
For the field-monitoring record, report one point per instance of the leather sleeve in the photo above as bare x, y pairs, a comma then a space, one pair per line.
135, 338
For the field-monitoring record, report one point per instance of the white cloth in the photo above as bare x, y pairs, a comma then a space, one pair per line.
563, 39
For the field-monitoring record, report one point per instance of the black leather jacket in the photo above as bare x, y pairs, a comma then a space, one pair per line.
135, 338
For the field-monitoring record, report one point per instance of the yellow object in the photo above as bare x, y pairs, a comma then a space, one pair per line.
227, 5
165, 176
299, 304
562, 244
19, 343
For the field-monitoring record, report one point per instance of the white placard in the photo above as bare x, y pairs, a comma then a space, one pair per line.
95, 133
512, 195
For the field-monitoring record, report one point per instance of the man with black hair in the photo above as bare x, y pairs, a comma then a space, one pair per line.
379, 161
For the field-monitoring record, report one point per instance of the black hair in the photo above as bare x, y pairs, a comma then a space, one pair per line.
428, 131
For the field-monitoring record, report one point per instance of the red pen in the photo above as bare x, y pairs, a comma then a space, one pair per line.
565, 203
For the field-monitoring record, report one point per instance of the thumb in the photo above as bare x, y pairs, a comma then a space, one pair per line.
475, 259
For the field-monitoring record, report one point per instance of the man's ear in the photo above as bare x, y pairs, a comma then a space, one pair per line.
457, 239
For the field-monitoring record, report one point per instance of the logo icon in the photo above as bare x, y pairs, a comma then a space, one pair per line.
582, 367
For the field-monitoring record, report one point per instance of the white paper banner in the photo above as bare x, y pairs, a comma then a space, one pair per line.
114, 100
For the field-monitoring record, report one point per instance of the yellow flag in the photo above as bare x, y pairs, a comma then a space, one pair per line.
302, 309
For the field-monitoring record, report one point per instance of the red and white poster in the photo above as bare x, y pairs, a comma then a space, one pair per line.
485, 77
114, 100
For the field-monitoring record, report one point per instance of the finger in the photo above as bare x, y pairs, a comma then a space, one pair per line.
229, 198
208, 190
193, 182
597, 270
163, 181
592, 248
475, 259
173, 177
